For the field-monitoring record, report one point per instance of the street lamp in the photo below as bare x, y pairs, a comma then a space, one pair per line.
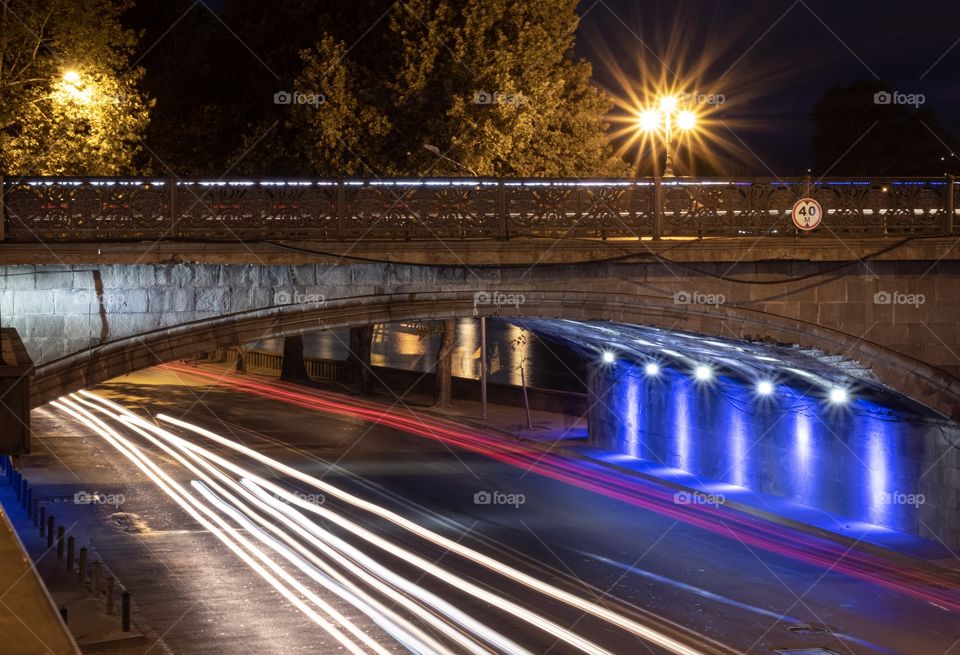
662, 120
72, 84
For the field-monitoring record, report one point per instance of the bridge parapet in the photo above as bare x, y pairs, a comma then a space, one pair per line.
62, 209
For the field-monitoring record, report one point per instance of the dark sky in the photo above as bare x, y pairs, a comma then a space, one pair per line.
784, 55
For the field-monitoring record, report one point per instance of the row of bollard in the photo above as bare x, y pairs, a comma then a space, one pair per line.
48, 527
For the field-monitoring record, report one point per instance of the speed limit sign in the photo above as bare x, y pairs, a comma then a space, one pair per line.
807, 214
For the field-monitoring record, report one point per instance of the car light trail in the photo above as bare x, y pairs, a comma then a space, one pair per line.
918, 583
413, 644
186, 502
581, 604
137, 423
256, 487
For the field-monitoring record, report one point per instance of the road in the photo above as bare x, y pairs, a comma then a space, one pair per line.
556, 562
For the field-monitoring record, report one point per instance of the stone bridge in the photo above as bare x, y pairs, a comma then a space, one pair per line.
89, 312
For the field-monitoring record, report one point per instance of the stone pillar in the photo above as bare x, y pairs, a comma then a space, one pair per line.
596, 414
16, 369
361, 343
293, 369
443, 391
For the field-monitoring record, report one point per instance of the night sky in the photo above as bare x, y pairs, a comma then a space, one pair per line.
789, 52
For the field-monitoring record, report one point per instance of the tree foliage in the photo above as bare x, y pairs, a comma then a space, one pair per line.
69, 103
493, 85
864, 130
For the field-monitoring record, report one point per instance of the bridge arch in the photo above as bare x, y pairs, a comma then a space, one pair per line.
919, 381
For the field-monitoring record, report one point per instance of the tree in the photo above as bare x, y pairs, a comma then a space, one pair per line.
494, 85
69, 102
866, 130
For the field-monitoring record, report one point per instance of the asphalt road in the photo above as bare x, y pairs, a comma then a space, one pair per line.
710, 590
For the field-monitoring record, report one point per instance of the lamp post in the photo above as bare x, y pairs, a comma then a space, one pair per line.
483, 319
665, 120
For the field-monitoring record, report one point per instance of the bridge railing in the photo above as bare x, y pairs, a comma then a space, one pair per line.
64, 209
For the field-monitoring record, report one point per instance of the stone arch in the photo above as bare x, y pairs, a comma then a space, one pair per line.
921, 382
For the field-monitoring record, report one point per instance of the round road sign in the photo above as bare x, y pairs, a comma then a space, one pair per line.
807, 214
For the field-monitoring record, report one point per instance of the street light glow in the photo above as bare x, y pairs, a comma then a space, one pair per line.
73, 86
651, 369
703, 373
765, 387
663, 119
608, 357
686, 119
649, 120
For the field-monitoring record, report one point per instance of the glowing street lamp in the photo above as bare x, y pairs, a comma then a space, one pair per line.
667, 115
72, 84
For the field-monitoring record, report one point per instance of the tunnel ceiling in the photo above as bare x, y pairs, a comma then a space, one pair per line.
803, 370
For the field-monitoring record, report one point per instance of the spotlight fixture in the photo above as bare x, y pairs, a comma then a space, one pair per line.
651, 369
838, 395
703, 373
765, 387
608, 357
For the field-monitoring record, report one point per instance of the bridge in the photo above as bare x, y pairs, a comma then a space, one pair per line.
103, 277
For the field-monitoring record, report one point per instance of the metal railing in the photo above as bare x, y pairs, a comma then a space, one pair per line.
62, 209
262, 360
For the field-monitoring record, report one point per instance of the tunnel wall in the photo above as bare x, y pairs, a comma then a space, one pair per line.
858, 461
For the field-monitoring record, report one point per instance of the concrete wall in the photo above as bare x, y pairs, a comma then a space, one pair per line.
860, 461
911, 344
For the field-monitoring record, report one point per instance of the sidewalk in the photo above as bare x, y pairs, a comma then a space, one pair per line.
92, 628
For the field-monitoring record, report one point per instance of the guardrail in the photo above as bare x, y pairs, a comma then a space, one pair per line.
72, 209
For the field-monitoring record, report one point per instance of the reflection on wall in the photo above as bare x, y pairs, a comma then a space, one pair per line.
414, 346
858, 460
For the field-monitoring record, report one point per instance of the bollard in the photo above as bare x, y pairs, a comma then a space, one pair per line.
50, 524
82, 566
71, 542
63, 613
60, 542
95, 579
109, 595
34, 504
125, 610
43, 520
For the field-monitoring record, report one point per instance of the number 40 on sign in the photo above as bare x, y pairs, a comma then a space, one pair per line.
807, 214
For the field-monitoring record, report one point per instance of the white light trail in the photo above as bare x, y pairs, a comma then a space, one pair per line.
139, 424
257, 486
187, 503
582, 604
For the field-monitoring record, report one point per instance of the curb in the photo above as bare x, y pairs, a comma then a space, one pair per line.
106, 644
